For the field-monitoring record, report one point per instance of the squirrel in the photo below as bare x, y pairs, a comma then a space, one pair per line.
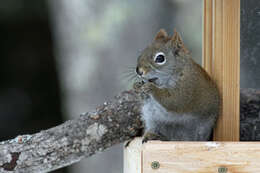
183, 101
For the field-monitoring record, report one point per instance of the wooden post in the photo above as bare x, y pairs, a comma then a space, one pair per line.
221, 59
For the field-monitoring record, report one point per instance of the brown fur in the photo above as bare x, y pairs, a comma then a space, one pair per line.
192, 94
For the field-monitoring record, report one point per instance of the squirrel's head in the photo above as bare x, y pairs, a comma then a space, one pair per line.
163, 60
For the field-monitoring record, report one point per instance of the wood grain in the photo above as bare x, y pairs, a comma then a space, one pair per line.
222, 61
133, 157
202, 157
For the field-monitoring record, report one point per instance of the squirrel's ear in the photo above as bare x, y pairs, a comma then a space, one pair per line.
161, 35
177, 43
176, 39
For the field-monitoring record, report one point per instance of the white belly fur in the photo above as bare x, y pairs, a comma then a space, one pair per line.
153, 112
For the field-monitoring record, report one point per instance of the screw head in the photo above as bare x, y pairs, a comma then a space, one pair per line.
155, 165
222, 170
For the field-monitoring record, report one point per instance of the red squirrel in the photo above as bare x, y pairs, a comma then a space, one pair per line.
183, 102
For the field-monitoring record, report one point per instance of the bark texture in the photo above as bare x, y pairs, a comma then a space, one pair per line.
112, 123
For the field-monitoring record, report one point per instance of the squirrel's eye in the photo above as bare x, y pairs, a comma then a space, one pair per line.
159, 58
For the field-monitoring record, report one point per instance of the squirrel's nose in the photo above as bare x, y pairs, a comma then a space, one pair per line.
138, 71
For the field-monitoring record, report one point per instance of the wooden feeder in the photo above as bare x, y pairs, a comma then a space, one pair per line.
221, 59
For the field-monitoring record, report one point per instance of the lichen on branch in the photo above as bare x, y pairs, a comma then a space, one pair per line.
111, 123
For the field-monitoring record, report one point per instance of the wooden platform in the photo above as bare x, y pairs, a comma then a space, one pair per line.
192, 157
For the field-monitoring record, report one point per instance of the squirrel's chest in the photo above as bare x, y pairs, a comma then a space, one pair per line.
153, 112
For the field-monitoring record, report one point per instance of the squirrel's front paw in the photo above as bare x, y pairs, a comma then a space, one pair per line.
148, 136
138, 85
148, 87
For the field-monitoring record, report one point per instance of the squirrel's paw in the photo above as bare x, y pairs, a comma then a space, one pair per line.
148, 136
148, 87
138, 85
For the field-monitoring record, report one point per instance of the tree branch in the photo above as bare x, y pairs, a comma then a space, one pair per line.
110, 124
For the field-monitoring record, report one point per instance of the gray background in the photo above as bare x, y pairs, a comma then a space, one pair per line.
250, 44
